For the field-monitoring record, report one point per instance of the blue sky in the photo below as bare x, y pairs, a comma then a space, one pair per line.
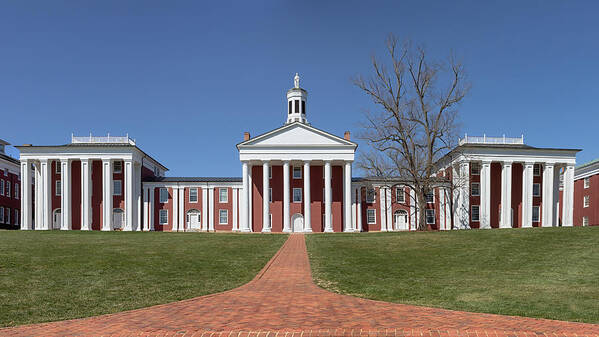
186, 79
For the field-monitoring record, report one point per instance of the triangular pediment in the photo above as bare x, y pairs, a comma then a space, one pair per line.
297, 134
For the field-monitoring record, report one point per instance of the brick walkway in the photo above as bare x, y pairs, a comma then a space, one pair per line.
283, 300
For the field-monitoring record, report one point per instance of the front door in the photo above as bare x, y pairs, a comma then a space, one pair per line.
193, 220
401, 221
56, 220
117, 219
298, 223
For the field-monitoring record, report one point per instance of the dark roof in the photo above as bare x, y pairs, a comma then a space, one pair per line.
592, 162
9, 158
194, 179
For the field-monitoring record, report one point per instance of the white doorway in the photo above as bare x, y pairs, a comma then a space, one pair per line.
401, 220
194, 220
297, 221
117, 218
56, 219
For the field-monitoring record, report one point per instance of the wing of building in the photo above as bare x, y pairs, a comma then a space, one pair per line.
295, 178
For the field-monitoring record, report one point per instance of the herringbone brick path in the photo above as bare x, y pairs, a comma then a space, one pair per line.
283, 301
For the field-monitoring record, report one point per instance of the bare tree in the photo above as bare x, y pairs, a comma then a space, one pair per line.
415, 122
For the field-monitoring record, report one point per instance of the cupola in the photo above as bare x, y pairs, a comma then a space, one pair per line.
296, 102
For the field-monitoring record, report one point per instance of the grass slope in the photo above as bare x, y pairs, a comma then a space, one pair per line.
539, 272
47, 276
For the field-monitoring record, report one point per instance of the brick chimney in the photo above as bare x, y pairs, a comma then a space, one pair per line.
346, 135
246, 136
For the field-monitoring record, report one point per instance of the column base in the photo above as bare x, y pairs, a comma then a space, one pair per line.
266, 230
286, 230
106, 229
245, 230
307, 230
328, 230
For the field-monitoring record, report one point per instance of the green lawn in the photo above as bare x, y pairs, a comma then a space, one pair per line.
540, 272
47, 276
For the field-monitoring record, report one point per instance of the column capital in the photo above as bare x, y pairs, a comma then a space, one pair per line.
265, 162
486, 162
548, 165
529, 163
507, 162
65, 160
307, 161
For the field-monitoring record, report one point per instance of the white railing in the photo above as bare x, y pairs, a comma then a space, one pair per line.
491, 140
102, 140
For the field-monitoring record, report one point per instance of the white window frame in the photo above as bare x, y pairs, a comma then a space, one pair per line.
7, 189
7, 214
57, 167
427, 217
17, 191
426, 197
534, 170
161, 213
1, 186
300, 195
120, 165
373, 200
477, 207
160, 200
1, 214
115, 183
585, 221
538, 190
220, 216
269, 172
472, 189
472, 169
587, 182
220, 196
16, 216
195, 189
538, 213
58, 188
400, 191
299, 168
270, 194
368, 213
586, 201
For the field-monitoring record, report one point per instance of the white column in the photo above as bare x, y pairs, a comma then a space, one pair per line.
182, 218
151, 206
175, 210
235, 209
46, 193
347, 198
354, 215
485, 194
527, 181
146, 215
138, 191
107, 194
307, 199
328, 226
359, 208
568, 196
556, 183
383, 204
547, 218
86, 196
250, 200
65, 195
37, 195
286, 226
388, 209
462, 196
265, 198
447, 210
506, 195
26, 200
441, 208
244, 221
205, 210
128, 189
211, 206
413, 208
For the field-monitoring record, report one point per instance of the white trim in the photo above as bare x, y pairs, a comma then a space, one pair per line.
538, 214
160, 200
472, 166
586, 182
586, 201
58, 188
401, 190
425, 197
426, 216
220, 201
197, 195
472, 189
368, 210
300, 195
538, 190
160, 216
220, 212
293, 172
472, 212
114, 184
585, 221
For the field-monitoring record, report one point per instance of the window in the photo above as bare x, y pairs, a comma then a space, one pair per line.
6, 172
297, 172
7, 189
270, 172
587, 182
7, 216
270, 194
58, 188
475, 169
223, 195
536, 190
163, 219
585, 220
536, 169
586, 201
1, 187
118, 167
193, 195
370, 195
297, 195
475, 189
290, 109
371, 216
475, 213
430, 197
117, 187
57, 165
223, 217
304, 107
400, 195
16, 191
16, 217
297, 106
1, 214
535, 214
430, 216
163, 195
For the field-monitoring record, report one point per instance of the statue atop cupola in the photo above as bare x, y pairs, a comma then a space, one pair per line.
296, 102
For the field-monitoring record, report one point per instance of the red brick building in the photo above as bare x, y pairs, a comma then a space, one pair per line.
10, 185
586, 194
